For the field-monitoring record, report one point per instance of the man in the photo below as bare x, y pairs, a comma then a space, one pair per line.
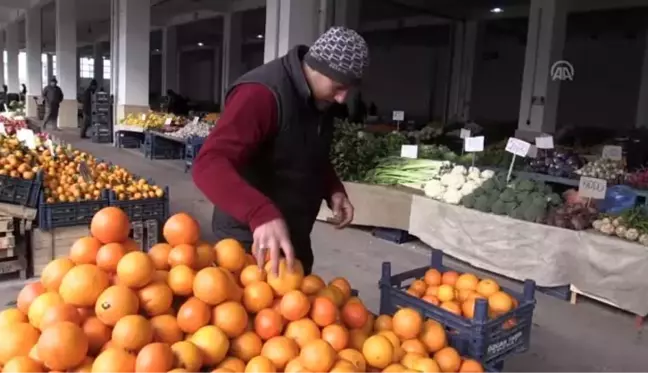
266, 166
53, 96
87, 108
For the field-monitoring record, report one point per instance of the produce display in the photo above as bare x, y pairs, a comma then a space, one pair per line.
631, 225
457, 292
554, 162
190, 306
200, 129
152, 120
603, 168
14, 119
572, 216
414, 173
71, 175
637, 179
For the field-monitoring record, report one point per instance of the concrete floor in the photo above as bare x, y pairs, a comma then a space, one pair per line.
566, 338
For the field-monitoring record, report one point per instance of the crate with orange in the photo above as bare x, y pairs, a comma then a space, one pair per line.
485, 321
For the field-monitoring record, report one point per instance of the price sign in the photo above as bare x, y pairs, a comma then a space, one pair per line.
533, 152
517, 147
544, 142
143, 117
464, 133
398, 115
474, 144
195, 120
409, 151
613, 152
167, 122
2, 129
590, 187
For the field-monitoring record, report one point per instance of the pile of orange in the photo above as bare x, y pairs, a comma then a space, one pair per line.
189, 306
457, 293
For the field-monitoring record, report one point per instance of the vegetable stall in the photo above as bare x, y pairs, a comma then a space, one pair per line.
522, 217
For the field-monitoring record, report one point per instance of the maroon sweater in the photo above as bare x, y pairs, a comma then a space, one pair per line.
249, 118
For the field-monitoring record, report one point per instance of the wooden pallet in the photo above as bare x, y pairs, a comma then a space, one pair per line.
49, 245
576, 292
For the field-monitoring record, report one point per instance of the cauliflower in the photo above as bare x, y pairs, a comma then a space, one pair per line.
607, 228
459, 170
452, 196
597, 224
434, 189
453, 181
468, 188
487, 174
620, 231
632, 234
643, 239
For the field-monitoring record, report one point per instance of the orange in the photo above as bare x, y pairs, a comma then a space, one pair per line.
109, 255
336, 335
230, 255
246, 346
110, 224
159, 253
394, 368
62, 346
410, 359
257, 296
323, 311
83, 284
181, 279
500, 303
468, 308
53, 273
354, 357
212, 342
205, 256
181, 229
193, 315
383, 322
28, 294
187, 356
260, 364
446, 293
231, 364
135, 270
378, 351
268, 323
114, 303
415, 346
40, 305
23, 364
286, 280
343, 285
448, 359
342, 365
13, 316
332, 293
487, 287
317, 356
449, 278
155, 298
294, 306
84, 250
132, 332
464, 294
59, 313
252, 273
212, 286
231, 317
452, 307
357, 338
302, 331
312, 284
431, 299
97, 333
433, 336
183, 254
432, 277
418, 287
471, 366
467, 281
354, 315
114, 360
407, 323
166, 329
426, 365
280, 350
433, 290
154, 357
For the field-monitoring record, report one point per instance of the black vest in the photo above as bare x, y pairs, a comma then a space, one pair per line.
288, 168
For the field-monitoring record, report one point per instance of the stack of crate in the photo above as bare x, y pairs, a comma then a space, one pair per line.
102, 128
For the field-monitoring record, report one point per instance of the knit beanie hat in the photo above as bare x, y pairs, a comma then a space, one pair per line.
340, 54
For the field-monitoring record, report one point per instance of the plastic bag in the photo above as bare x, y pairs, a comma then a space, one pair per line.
618, 198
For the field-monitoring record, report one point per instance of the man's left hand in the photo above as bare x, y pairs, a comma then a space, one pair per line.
342, 210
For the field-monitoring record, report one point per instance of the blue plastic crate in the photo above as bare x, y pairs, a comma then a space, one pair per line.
144, 209
129, 139
21, 192
488, 340
156, 146
68, 214
192, 148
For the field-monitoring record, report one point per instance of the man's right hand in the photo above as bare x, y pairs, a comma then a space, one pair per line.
273, 236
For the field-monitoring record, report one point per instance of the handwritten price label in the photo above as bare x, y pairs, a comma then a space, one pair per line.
590, 187
409, 151
464, 133
544, 142
195, 120
533, 151
517, 147
168, 121
143, 116
613, 152
398, 115
474, 144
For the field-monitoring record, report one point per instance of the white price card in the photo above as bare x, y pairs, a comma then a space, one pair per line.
464, 133
613, 152
533, 152
168, 121
409, 151
3, 131
195, 120
398, 115
517, 147
545, 142
474, 144
143, 116
590, 187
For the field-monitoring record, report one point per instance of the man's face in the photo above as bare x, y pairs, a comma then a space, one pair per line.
326, 91
53, 84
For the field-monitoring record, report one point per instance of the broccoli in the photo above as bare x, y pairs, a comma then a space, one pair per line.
535, 212
554, 199
468, 201
508, 195
478, 192
499, 207
526, 185
482, 203
517, 213
510, 206
521, 196
488, 184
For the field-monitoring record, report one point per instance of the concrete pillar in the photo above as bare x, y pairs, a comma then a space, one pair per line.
133, 57
50, 67
545, 44
290, 23
34, 60
231, 51
2, 48
13, 84
98, 64
641, 119
463, 63
169, 59
67, 61
218, 87
346, 13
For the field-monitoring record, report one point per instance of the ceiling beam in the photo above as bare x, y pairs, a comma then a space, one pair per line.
16, 4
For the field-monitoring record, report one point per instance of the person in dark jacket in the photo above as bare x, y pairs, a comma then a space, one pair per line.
266, 165
53, 96
87, 108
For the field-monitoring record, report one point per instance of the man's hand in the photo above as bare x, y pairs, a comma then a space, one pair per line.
342, 210
273, 236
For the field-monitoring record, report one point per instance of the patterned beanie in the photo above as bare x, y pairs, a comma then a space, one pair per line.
341, 54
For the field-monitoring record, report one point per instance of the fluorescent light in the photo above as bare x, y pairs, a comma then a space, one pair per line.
497, 10
200, 44
259, 36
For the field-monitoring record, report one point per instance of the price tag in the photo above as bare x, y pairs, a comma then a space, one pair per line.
195, 120
168, 121
143, 117
517, 147
613, 152
50, 145
398, 115
544, 142
464, 133
533, 152
3, 131
409, 151
589, 187
474, 144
